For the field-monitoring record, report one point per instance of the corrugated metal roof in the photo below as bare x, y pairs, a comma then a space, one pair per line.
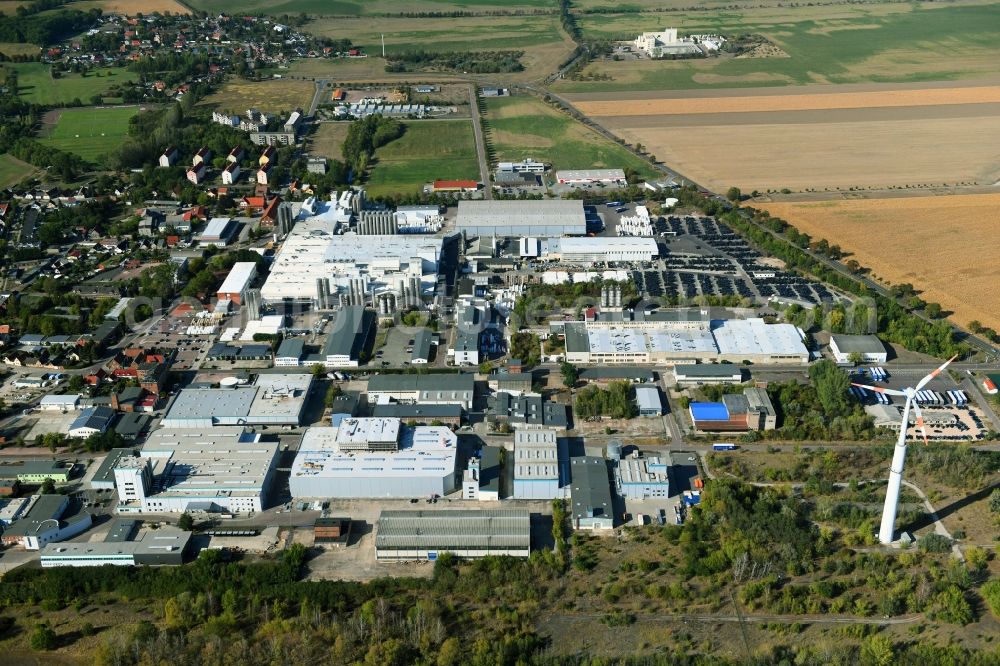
461, 529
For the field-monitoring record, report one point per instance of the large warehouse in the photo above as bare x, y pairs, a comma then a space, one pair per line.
438, 389
272, 400
125, 545
591, 250
350, 332
682, 341
591, 177
736, 413
224, 469
391, 461
235, 286
867, 348
423, 535
541, 465
551, 218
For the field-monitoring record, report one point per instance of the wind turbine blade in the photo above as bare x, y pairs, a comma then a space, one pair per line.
934, 373
879, 389
920, 422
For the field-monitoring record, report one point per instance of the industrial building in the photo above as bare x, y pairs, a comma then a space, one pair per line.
273, 400
867, 348
425, 219
481, 479
421, 414
351, 268
541, 465
218, 232
638, 477
647, 398
751, 410
351, 331
91, 421
591, 177
234, 287
423, 535
223, 469
61, 403
685, 339
125, 545
104, 477
590, 250
529, 411
290, 353
514, 383
590, 494
698, 374
422, 341
548, 218
465, 350
47, 519
456, 388
375, 457
36, 471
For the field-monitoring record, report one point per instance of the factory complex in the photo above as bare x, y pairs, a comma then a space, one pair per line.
273, 399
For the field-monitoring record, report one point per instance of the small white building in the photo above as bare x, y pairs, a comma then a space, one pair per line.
591, 177
61, 403
869, 347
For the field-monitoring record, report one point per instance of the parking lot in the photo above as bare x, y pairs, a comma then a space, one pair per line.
171, 332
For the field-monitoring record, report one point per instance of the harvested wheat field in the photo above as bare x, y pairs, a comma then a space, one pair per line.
275, 96
133, 7
945, 246
819, 138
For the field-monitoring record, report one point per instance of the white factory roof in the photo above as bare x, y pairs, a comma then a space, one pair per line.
239, 277
754, 336
590, 174
520, 213
577, 277
681, 341
68, 399
648, 397
589, 244
273, 395
536, 454
424, 451
363, 430
637, 471
312, 250
223, 460
215, 227
636, 341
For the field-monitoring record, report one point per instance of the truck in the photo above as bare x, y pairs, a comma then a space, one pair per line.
724, 446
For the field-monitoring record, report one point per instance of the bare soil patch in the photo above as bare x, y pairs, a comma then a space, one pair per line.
953, 236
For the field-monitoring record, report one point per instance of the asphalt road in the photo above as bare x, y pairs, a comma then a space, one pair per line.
477, 129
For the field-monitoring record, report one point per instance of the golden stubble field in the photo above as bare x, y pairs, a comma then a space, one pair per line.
820, 139
132, 7
945, 246
274, 96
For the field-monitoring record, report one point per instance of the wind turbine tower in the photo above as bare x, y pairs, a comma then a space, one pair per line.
886, 530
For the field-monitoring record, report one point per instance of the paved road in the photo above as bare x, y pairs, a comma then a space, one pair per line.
477, 128
317, 97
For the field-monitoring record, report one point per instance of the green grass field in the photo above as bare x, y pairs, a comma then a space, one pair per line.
35, 83
476, 33
91, 133
363, 7
13, 170
901, 42
429, 150
522, 127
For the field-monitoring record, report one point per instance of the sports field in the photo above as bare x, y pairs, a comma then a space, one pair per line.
945, 246
521, 127
273, 96
89, 132
429, 150
363, 7
842, 43
13, 170
821, 138
35, 83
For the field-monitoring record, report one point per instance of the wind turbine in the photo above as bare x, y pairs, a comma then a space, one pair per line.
885, 532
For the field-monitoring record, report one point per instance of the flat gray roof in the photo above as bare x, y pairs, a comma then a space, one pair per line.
458, 381
708, 370
348, 332
526, 214
863, 344
408, 412
591, 487
291, 347
106, 471
464, 529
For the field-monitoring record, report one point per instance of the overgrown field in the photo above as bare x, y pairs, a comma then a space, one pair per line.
274, 96
428, 150
13, 170
818, 140
328, 139
944, 246
521, 127
90, 132
35, 83
827, 44
11, 49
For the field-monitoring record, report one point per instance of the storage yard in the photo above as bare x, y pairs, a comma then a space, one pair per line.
886, 234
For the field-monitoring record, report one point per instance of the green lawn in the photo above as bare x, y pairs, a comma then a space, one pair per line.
91, 132
35, 83
363, 7
900, 42
13, 170
522, 127
429, 150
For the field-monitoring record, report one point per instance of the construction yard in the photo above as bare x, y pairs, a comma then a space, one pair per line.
953, 236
